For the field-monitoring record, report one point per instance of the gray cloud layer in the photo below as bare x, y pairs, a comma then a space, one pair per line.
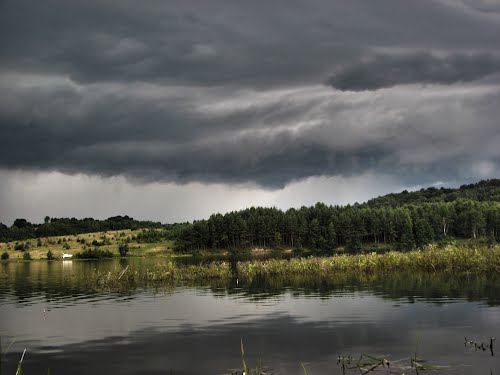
233, 92
390, 70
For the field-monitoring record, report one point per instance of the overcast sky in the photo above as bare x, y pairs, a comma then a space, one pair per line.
173, 110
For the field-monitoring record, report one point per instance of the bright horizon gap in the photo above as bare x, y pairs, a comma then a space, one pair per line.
59, 195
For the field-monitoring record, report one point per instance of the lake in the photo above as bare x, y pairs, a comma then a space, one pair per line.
196, 329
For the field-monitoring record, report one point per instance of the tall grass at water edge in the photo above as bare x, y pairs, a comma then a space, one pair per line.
455, 259
161, 274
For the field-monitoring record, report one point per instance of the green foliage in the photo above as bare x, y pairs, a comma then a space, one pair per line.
93, 254
66, 246
483, 191
123, 249
5, 255
22, 229
454, 259
277, 240
353, 244
332, 236
407, 240
450, 259
50, 256
423, 233
21, 246
400, 223
150, 236
161, 274
245, 370
26, 255
396, 221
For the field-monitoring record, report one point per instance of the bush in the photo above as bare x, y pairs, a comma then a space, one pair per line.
26, 255
104, 241
5, 255
50, 256
150, 236
93, 254
66, 246
21, 246
123, 249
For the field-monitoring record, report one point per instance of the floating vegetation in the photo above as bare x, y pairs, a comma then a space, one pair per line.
365, 364
480, 345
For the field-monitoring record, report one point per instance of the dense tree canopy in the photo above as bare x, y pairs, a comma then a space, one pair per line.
403, 221
486, 190
324, 228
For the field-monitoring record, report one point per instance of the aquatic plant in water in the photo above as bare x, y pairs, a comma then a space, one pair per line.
453, 259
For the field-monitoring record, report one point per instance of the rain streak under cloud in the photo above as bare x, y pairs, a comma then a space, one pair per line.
114, 103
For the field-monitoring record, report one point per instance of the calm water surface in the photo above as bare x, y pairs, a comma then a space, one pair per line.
283, 323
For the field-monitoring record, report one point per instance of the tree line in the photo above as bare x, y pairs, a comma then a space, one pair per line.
483, 191
22, 229
326, 228
403, 221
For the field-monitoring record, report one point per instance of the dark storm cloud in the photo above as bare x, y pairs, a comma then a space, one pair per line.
232, 92
386, 70
257, 44
271, 138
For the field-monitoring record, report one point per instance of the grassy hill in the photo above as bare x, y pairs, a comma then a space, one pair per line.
106, 240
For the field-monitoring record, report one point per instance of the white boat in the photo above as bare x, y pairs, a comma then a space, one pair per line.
67, 256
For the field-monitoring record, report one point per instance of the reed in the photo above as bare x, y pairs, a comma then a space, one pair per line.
365, 364
19, 370
257, 370
453, 259
457, 259
163, 274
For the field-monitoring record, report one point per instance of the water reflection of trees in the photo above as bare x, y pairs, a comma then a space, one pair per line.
403, 287
57, 282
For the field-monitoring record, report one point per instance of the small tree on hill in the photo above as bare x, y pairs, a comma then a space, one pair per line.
123, 249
